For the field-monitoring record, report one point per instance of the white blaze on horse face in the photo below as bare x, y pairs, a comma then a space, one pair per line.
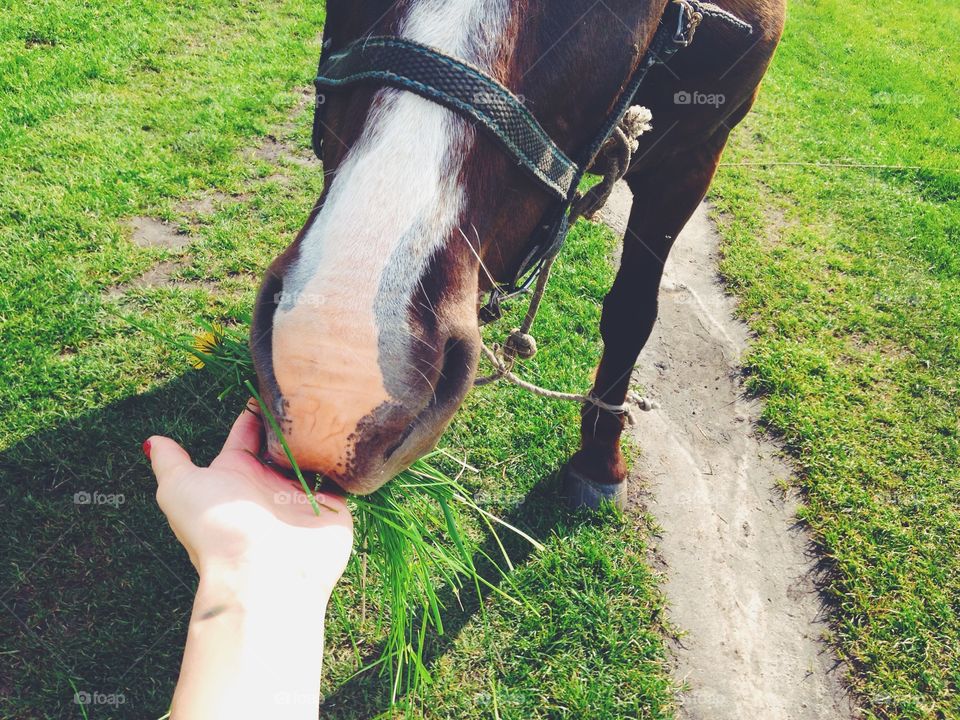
341, 341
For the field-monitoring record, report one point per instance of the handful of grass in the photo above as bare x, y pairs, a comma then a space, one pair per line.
408, 532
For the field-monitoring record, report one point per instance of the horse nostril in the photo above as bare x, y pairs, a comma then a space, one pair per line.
449, 390
453, 372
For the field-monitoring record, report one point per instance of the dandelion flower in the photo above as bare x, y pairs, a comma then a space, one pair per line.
205, 343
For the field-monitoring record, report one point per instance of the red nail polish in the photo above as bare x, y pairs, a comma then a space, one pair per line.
146, 448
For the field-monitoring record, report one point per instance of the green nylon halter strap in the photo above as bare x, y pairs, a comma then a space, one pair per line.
469, 91
454, 83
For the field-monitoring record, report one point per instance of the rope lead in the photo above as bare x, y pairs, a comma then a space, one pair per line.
613, 159
504, 371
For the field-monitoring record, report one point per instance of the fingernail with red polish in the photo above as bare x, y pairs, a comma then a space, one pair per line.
146, 448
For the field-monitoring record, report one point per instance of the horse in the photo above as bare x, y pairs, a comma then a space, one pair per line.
365, 333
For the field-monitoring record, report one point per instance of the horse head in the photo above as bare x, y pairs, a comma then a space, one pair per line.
365, 335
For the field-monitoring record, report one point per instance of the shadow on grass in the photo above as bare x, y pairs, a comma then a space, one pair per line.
95, 591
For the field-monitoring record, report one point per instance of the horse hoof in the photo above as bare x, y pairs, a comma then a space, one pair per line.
582, 492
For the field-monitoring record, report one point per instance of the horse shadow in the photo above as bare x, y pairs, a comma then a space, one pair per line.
95, 591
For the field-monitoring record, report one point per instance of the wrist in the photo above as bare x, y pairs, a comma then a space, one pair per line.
254, 645
250, 583
285, 599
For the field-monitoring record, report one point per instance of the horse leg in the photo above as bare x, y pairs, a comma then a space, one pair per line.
665, 197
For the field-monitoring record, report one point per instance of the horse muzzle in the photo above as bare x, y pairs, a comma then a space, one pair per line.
346, 416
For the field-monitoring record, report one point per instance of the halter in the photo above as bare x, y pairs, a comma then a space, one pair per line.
471, 92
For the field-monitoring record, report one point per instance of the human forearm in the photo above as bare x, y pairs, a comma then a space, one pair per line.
267, 564
254, 647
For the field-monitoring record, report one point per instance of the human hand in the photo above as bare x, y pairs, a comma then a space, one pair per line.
240, 516
267, 566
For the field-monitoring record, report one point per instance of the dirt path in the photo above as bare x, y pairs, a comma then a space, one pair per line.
737, 573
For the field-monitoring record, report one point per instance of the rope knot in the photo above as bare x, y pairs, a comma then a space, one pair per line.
520, 344
636, 121
613, 160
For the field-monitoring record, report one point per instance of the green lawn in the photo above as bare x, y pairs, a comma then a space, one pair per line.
851, 280
114, 110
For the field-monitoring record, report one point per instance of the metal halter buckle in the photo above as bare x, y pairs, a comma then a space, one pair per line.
687, 22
